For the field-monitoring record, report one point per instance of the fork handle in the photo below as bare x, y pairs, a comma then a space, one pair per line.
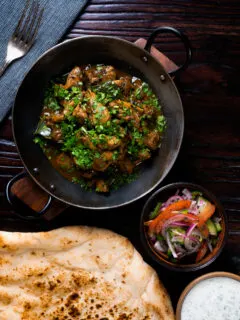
4, 67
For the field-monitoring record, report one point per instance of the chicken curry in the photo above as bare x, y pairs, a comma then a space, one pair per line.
98, 124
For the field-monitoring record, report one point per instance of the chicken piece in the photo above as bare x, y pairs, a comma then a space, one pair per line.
86, 141
143, 155
109, 73
91, 97
124, 83
137, 83
126, 165
64, 162
80, 114
122, 151
149, 110
152, 139
100, 114
51, 116
74, 77
56, 134
100, 74
123, 109
103, 162
67, 105
101, 186
109, 143
125, 112
124, 104
57, 117
87, 174
136, 120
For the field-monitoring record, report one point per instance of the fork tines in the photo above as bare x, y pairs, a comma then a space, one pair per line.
29, 23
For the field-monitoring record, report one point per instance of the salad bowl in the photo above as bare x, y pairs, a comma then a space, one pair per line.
183, 227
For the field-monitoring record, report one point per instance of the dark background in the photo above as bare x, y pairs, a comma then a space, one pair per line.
210, 153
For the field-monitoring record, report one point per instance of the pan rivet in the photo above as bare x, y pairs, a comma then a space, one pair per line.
145, 59
36, 170
162, 77
52, 187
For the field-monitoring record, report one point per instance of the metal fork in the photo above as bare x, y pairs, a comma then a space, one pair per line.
25, 33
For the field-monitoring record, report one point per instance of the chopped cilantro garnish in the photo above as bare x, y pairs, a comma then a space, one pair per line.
83, 156
161, 123
107, 92
59, 92
40, 141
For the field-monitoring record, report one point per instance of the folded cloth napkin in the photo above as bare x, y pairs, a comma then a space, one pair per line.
58, 15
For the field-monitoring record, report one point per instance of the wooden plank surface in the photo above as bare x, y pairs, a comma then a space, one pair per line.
209, 89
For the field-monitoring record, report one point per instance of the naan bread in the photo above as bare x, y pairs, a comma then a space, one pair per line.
77, 273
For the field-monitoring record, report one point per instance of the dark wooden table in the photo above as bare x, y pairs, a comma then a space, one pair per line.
210, 153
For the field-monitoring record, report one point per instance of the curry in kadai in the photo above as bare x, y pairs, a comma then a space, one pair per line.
98, 124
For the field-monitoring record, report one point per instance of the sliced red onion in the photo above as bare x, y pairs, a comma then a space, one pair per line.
176, 218
172, 200
170, 246
183, 217
179, 249
195, 212
159, 247
191, 246
153, 238
193, 207
177, 192
187, 194
178, 238
179, 224
197, 233
191, 229
184, 236
201, 203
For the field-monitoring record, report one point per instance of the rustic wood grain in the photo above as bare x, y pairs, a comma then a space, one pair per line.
210, 154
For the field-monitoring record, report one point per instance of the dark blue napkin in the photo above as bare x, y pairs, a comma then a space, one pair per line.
57, 18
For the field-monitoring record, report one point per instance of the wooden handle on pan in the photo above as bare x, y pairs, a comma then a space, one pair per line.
30, 201
168, 64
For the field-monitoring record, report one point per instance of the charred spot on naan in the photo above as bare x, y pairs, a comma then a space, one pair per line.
6, 246
5, 298
4, 261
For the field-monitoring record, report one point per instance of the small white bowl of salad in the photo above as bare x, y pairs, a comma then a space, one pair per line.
183, 226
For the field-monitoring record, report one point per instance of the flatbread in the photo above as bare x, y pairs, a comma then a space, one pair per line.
77, 273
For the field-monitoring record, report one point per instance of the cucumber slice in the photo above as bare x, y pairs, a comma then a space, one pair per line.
196, 194
159, 237
218, 226
169, 253
211, 227
155, 212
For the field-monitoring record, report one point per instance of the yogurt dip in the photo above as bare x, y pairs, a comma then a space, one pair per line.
215, 298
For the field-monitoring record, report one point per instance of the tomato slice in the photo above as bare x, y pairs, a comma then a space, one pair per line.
206, 213
204, 231
202, 251
167, 213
